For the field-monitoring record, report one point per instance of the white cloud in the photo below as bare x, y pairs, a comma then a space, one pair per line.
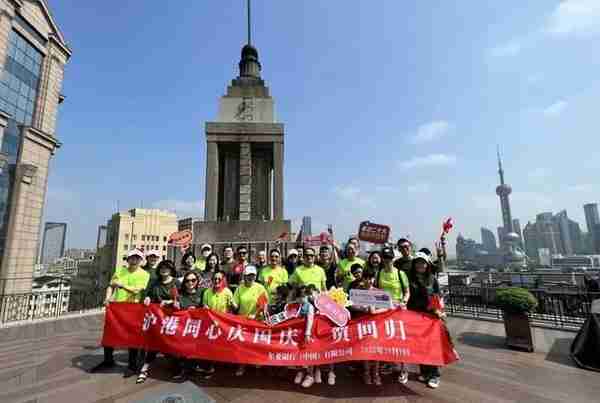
429, 161
578, 17
419, 188
555, 109
582, 188
538, 174
354, 194
431, 131
182, 208
509, 49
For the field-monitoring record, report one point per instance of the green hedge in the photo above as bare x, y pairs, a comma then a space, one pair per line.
516, 299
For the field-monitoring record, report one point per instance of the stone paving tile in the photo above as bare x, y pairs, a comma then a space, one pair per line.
49, 362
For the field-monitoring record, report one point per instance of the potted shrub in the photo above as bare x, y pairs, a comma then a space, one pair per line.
516, 303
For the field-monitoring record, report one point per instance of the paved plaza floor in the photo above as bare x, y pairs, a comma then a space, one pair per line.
50, 362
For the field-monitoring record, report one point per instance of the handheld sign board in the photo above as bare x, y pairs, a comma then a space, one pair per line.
181, 239
329, 308
374, 233
377, 299
291, 311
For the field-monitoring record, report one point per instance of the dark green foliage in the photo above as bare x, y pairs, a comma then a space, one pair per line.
515, 299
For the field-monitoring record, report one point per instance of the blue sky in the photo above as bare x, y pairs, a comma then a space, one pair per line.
393, 109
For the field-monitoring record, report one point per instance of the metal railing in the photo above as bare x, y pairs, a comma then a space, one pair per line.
562, 309
47, 304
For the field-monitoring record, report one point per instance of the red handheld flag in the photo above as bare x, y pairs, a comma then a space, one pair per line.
262, 302
447, 226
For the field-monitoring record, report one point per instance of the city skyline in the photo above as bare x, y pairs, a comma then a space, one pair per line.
434, 143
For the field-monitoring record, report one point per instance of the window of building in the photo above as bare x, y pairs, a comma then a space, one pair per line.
164, 248
20, 81
134, 237
127, 237
164, 239
125, 247
143, 237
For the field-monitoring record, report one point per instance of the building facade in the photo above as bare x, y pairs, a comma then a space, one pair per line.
33, 54
488, 240
53, 244
592, 220
306, 226
145, 229
555, 232
101, 239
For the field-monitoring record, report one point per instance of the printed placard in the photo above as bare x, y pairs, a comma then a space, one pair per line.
378, 299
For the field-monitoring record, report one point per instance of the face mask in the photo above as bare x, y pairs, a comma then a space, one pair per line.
205, 254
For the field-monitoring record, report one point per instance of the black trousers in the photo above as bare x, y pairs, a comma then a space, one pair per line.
430, 371
133, 356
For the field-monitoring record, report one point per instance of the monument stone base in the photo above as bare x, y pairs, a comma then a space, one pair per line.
236, 231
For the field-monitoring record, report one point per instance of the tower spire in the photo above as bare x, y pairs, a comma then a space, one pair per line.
249, 65
249, 22
500, 170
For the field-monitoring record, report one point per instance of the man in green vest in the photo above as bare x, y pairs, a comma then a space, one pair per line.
127, 285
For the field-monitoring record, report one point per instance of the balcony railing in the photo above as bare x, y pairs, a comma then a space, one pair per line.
47, 304
565, 308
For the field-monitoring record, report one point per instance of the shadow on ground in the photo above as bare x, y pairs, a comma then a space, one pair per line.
482, 340
559, 352
348, 384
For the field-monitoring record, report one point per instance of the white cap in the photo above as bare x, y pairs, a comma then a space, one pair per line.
292, 252
206, 246
135, 252
152, 253
250, 270
421, 255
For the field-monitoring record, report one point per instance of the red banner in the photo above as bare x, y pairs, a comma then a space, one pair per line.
393, 336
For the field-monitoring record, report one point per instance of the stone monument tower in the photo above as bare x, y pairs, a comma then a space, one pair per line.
244, 161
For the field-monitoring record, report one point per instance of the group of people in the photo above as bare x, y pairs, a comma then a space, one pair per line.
233, 284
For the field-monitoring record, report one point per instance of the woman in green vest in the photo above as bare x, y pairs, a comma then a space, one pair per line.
394, 282
249, 298
273, 275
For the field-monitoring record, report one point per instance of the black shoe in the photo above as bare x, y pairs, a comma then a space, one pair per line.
104, 365
180, 377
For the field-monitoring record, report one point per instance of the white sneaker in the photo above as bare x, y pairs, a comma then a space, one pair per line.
308, 381
422, 378
434, 382
331, 378
299, 377
318, 376
403, 377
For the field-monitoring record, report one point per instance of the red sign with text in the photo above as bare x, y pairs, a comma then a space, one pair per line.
374, 233
392, 336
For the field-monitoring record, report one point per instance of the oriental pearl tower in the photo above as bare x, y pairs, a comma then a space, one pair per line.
513, 256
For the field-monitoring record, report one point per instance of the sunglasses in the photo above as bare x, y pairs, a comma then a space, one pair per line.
190, 280
243, 253
274, 256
